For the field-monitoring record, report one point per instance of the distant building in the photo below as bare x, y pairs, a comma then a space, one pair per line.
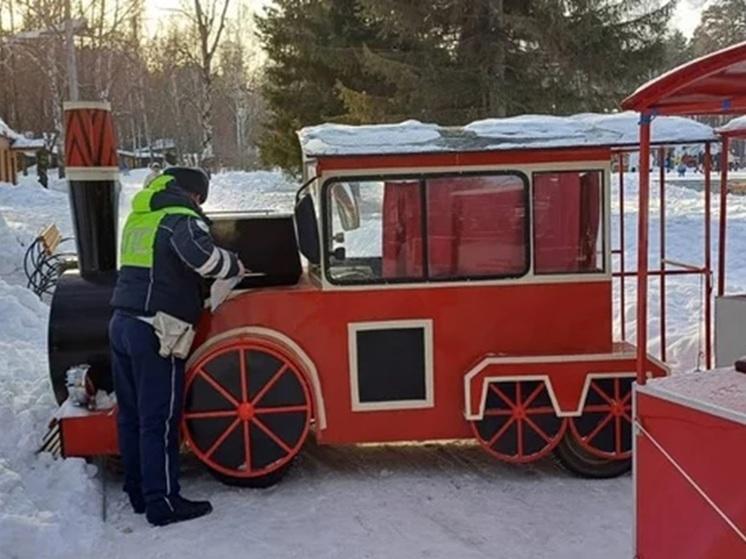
162, 150
14, 148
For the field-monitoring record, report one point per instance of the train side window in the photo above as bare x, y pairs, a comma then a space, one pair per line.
477, 226
568, 222
385, 243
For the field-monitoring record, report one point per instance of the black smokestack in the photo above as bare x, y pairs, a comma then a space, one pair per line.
92, 173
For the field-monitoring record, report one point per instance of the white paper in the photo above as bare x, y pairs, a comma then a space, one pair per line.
220, 290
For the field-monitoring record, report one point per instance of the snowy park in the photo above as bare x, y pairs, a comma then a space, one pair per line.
424, 500
376, 279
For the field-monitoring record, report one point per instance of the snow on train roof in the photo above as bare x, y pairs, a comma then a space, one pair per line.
735, 126
519, 132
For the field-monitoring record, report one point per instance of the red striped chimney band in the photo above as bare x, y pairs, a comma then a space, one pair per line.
90, 142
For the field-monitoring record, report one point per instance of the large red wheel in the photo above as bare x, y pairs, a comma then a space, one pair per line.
247, 410
605, 427
519, 424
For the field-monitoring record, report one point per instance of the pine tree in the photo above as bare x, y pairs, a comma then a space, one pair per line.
722, 24
451, 61
312, 46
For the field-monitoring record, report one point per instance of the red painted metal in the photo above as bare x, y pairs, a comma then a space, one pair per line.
522, 415
642, 249
614, 412
725, 147
248, 411
713, 83
572, 317
622, 290
89, 434
662, 209
90, 140
673, 519
420, 160
708, 256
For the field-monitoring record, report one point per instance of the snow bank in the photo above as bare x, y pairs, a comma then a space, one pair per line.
42, 502
519, 132
736, 125
11, 252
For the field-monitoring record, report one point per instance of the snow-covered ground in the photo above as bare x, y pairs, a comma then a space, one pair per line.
398, 501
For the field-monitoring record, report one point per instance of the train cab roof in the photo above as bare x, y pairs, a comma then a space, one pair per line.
545, 133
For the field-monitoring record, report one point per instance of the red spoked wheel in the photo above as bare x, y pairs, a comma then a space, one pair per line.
247, 411
519, 424
605, 426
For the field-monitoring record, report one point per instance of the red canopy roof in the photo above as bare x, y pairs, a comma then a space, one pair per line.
715, 83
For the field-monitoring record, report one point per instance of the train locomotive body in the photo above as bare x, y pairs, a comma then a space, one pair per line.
454, 288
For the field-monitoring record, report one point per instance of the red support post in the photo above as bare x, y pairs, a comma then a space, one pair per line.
708, 257
622, 294
725, 146
662, 186
642, 249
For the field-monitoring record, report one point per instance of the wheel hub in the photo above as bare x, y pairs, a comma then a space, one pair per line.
246, 411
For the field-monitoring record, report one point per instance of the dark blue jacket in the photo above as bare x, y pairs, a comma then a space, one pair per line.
166, 248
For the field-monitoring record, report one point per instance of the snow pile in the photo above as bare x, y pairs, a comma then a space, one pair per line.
7, 131
736, 125
11, 251
519, 132
328, 139
259, 190
41, 501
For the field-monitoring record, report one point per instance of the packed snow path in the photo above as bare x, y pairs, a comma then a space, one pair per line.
399, 501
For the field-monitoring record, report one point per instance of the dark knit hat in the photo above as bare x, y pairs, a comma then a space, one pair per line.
191, 179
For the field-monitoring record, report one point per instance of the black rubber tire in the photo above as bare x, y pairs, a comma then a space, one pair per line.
577, 460
258, 482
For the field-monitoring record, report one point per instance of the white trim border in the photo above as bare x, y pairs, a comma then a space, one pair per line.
545, 361
75, 105
427, 329
92, 173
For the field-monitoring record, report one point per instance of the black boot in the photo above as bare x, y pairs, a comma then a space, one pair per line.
137, 502
175, 509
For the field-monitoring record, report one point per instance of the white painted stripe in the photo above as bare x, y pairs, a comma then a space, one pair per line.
168, 428
210, 263
92, 173
72, 105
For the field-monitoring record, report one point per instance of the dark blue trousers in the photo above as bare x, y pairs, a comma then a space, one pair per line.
149, 392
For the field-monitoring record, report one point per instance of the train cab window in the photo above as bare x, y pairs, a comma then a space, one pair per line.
477, 226
568, 223
375, 231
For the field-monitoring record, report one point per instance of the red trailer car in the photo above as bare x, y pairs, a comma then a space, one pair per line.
691, 428
458, 286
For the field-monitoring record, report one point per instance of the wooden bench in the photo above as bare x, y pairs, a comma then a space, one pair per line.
50, 238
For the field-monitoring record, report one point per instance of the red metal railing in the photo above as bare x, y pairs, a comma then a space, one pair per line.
669, 267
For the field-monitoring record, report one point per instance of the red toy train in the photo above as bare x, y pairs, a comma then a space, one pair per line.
457, 286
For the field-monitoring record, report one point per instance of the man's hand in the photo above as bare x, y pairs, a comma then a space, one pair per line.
242, 270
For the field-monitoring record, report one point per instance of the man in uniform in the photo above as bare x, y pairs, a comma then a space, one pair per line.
166, 249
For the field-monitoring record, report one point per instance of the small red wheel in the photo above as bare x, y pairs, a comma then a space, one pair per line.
519, 424
247, 410
605, 427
